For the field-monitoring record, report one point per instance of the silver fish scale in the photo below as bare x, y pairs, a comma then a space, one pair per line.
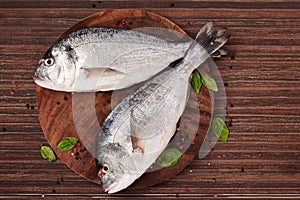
89, 35
148, 97
110, 126
96, 35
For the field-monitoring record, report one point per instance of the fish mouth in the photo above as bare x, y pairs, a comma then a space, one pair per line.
118, 185
38, 78
110, 188
38, 74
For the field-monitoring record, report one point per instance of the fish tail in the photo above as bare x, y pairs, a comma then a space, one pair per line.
206, 44
212, 40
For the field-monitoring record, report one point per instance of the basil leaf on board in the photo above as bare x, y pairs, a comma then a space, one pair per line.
67, 143
47, 153
220, 129
169, 157
209, 82
196, 81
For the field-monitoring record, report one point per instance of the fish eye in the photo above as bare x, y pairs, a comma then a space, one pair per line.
49, 61
104, 169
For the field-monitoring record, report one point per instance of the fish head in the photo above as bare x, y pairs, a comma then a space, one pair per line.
116, 170
56, 69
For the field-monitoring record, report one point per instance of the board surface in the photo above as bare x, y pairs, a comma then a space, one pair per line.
62, 114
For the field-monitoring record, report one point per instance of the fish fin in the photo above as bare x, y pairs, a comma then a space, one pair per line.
135, 138
100, 72
138, 150
103, 69
140, 123
219, 53
136, 146
212, 40
96, 79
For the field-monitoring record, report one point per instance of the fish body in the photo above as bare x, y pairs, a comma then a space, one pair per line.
139, 128
102, 59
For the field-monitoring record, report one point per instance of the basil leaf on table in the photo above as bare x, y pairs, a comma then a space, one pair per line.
220, 129
169, 157
67, 143
209, 82
47, 153
196, 81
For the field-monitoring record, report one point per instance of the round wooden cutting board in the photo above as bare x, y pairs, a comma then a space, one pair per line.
56, 109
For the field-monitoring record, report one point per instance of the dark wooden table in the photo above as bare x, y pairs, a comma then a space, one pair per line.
262, 156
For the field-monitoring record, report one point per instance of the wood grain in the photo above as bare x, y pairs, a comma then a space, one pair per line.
261, 158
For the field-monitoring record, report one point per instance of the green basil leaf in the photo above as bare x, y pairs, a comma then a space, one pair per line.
169, 157
220, 129
67, 143
47, 153
209, 82
196, 81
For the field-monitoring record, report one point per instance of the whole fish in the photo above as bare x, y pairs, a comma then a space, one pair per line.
102, 59
139, 128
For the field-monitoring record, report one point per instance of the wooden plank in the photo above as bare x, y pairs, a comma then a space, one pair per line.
150, 4
263, 103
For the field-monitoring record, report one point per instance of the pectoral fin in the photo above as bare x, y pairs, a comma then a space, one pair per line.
102, 69
103, 79
136, 141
